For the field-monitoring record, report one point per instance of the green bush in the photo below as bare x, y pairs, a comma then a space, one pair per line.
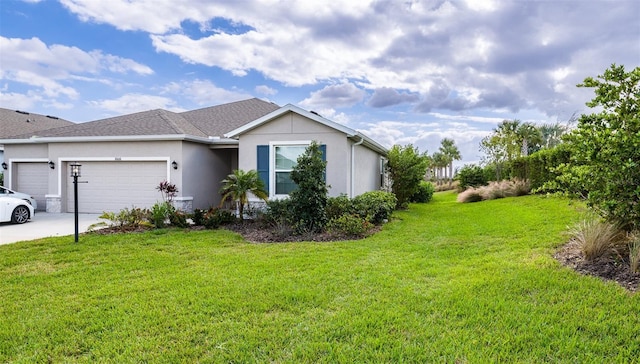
309, 200
338, 206
407, 167
424, 193
350, 225
375, 206
178, 218
214, 217
127, 219
160, 213
471, 175
198, 217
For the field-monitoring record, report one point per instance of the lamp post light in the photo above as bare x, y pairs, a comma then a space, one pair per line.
75, 173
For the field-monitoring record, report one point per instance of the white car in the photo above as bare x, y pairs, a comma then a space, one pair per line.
7, 192
15, 210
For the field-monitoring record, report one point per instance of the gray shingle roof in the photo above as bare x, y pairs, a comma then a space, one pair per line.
210, 121
14, 123
218, 120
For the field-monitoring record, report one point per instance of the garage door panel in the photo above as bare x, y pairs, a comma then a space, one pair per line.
33, 179
112, 186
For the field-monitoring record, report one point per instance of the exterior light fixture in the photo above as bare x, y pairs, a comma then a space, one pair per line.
4, 165
75, 173
52, 165
174, 164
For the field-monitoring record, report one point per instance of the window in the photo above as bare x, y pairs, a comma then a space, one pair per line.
285, 160
275, 163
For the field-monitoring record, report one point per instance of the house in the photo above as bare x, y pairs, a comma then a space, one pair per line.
124, 158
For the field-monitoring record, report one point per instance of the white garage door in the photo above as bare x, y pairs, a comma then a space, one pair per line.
33, 179
112, 186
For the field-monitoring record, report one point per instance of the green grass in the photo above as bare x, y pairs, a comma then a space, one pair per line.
443, 282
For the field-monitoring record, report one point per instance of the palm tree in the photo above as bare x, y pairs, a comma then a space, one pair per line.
239, 184
450, 152
551, 134
439, 163
529, 136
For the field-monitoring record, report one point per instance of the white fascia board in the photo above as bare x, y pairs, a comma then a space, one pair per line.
373, 145
119, 138
283, 110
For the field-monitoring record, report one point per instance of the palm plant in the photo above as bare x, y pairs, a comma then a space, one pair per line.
529, 136
450, 152
239, 184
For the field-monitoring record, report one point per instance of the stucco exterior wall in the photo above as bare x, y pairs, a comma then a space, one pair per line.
203, 170
367, 170
292, 127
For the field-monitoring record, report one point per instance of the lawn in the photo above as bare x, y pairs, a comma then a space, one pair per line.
442, 282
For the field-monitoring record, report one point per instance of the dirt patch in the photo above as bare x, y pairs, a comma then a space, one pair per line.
606, 268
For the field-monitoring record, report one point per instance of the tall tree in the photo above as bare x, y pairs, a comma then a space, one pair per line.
239, 184
451, 153
605, 148
439, 164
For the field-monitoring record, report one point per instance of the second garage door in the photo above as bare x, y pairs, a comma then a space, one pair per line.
32, 178
112, 186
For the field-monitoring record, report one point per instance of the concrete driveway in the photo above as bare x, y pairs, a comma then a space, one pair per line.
45, 224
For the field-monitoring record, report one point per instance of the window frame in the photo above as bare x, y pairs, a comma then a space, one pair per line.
272, 163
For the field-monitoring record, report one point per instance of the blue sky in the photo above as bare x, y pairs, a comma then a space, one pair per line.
399, 71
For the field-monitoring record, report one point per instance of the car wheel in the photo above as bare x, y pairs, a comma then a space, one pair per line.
20, 215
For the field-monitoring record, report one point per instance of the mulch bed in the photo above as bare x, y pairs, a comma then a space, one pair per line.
605, 268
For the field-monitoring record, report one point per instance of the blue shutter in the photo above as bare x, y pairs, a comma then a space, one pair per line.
323, 151
263, 165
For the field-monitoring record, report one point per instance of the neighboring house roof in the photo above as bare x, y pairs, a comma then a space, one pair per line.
16, 122
207, 122
350, 133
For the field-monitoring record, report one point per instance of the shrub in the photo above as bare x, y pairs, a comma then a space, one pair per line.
178, 218
471, 175
350, 225
198, 217
407, 167
338, 206
469, 195
168, 191
424, 193
214, 217
495, 190
375, 206
160, 213
127, 219
309, 200
597, 238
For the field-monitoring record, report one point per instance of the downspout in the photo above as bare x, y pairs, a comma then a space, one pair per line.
353, 166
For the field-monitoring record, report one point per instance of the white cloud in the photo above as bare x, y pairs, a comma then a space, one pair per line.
340, 95
205, 92
265, 90
131, 103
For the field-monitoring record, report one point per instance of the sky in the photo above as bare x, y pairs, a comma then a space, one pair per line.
399, 71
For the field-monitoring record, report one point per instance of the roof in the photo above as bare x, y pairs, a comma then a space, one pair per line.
350, 133
207, 122
16, 122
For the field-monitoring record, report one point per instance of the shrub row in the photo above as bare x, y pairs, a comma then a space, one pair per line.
495, 190
345, 216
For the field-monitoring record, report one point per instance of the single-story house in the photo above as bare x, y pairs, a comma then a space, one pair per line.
124, 158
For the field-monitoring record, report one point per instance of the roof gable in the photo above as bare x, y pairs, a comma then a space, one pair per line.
283, 110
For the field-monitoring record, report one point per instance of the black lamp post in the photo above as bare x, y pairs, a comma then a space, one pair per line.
75, 173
